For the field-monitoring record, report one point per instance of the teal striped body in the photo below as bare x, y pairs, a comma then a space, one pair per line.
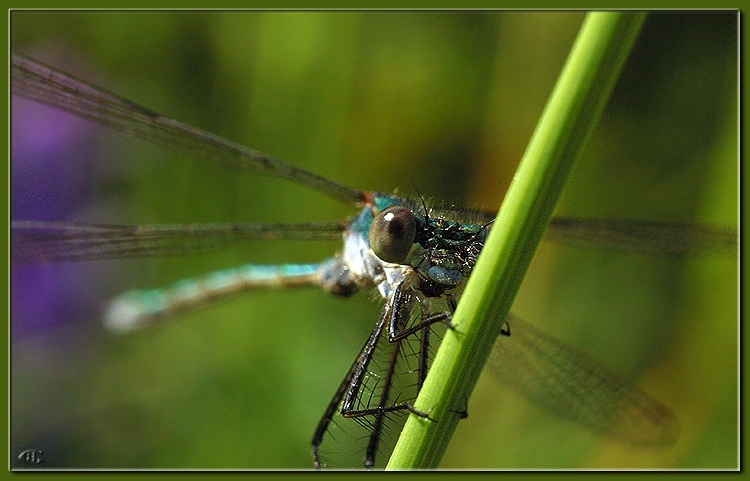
136, 308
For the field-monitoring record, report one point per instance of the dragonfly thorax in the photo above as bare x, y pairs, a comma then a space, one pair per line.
448, 252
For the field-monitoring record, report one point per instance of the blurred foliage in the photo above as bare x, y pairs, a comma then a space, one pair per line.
436, 103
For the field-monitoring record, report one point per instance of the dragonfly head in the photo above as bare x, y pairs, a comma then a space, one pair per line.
440, 250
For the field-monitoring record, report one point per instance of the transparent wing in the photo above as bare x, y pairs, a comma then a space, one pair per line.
46, 242
45, 84
569, 383
347, 441
659, 238
384, 375
648, 237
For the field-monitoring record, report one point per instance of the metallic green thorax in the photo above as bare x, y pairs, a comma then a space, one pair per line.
450, 249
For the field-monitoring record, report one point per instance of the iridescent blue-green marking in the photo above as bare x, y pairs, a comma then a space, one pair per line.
137, 308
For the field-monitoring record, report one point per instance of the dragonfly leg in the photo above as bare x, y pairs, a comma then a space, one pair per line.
452, 305
385, 401
404, 298
505, 329
463, 413
367, 403
349, 388
325, 421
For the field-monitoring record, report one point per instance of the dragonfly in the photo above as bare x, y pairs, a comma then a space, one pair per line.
417, 257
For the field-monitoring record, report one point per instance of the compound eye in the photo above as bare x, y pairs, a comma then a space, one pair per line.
392, 234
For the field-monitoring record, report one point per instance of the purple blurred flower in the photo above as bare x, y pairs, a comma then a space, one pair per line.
52, 154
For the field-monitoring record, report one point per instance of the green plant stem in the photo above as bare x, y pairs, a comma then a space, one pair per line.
584, 86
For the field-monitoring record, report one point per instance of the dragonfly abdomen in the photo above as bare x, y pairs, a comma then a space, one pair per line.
137, 308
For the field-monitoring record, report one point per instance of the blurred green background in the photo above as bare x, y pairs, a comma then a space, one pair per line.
439, 103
